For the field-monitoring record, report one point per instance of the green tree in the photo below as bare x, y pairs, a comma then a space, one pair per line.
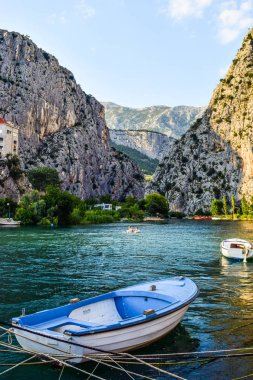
225, 207
130, 201
216, 207
66, 203
4, 208
244, 206
31, 208
233, 205
41, 177
156, 204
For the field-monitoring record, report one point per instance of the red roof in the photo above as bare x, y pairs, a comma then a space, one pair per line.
3, 121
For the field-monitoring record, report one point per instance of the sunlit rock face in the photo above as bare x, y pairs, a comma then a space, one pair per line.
60, 126
214, 157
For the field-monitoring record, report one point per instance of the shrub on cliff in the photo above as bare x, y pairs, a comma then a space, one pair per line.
41, 177
14, 166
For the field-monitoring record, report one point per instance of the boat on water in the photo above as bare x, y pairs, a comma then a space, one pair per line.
237, 249
133, 230
201, 217
9, 222
117, 321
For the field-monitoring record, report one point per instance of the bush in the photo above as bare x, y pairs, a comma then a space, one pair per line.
42, 177
100, 216
13, 165
156, 204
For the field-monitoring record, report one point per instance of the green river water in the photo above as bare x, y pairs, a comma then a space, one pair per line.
42, 268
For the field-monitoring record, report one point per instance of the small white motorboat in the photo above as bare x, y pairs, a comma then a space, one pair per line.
118, 321
237, 249
133, 230
9, 222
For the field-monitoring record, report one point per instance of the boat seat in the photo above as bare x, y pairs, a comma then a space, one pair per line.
58, 322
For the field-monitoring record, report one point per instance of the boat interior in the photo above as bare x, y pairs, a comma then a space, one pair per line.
99, 313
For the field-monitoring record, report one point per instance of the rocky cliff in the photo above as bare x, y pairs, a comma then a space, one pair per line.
60, 126
152, 144
214, 157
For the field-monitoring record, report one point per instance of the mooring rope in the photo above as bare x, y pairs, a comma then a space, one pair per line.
73, 356
93, 349
123, 358
18, 364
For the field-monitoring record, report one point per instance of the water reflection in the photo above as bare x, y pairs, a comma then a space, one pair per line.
43, 268
240, 272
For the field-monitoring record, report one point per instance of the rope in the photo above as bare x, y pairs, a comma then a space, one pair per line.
154, 367
15, 366
55, 360
62, 373
140, 358
93, 370
75, 356
123, 369
95, 349
120, 354
26, 364
243, 377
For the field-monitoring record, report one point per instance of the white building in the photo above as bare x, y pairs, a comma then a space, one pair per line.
8, 138
104, 206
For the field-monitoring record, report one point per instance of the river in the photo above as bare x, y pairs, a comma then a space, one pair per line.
42, 268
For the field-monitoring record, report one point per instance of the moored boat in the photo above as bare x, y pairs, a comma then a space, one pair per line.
9, 222
237, 249
133, 230
117, 321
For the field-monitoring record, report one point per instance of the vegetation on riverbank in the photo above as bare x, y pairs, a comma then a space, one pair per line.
225, 209
60, 207
46, 204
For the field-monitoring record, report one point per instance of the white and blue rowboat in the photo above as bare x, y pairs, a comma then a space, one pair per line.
119, 321
237, 249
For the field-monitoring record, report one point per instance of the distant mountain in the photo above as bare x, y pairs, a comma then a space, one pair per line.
150, 130
170, 121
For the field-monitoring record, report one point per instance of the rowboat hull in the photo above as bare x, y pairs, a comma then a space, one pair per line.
237, 249
118, 321
125, 340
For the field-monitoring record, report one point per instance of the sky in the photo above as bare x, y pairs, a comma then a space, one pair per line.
137, 53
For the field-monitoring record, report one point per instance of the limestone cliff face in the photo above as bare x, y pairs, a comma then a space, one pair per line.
152, 144
214, 157
60, 126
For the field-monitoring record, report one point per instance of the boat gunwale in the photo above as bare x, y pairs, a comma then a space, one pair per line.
104, 328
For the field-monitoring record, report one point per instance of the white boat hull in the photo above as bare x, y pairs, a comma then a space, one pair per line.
118, 340
9, 222
235, 253
237, 249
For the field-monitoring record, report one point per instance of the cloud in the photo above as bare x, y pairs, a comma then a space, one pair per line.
80, 10
84, 9
55, 18
233, 18
180, 9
